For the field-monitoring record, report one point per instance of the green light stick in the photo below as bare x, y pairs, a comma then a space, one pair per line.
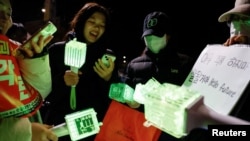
177, 110
79, 125
75, 56
166, 106
121, 92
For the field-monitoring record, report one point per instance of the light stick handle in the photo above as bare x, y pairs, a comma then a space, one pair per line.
73, 91
61, 130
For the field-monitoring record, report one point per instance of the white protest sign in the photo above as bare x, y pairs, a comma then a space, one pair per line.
221, 75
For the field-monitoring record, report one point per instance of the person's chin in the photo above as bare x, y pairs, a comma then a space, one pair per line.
92, 40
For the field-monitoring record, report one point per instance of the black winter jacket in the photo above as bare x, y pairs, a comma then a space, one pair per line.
167, 66
91, 91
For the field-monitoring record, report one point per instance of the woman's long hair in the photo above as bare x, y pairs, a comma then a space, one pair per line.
79, 20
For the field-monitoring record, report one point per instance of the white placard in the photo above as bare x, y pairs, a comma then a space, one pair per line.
221, 74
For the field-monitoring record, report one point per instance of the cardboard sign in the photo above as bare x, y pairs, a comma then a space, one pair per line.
221, 74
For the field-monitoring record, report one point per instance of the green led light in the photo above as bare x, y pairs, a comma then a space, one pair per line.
75, 56
142, 89
166, 107
75, 53
121, 92
82, 124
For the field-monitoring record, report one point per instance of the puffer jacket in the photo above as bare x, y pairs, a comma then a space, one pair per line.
167, 66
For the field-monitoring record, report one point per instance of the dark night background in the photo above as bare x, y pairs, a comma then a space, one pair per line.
196, 21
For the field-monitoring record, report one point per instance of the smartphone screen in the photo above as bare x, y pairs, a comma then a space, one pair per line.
48, 29
105, 58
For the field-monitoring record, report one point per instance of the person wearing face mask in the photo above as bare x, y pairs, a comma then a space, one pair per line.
238, 19
160, 58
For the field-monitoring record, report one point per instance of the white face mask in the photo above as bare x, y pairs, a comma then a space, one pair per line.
240, 27
155, 43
